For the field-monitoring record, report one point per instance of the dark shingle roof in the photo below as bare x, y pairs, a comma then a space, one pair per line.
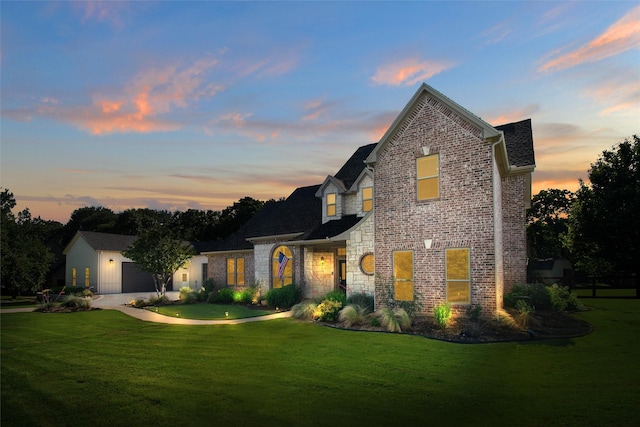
350, 171
519, 141
107, 241
301, 212
333, 228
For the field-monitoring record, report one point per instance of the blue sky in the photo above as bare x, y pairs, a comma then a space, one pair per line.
177, 105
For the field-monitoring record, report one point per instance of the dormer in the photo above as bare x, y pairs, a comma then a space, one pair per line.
350, 191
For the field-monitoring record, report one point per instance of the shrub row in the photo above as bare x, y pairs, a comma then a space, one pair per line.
543, 297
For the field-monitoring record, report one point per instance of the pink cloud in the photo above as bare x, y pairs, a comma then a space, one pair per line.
409, 72
142, 104
623, 35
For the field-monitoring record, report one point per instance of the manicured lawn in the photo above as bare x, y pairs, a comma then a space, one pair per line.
7, 301
209, 311
603, 292
102, 368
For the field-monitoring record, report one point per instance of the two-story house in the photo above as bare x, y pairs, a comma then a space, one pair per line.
435, 209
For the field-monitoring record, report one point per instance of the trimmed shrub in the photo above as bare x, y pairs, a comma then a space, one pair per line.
353, 315
563, 300
304, 310
223, 296
442, 314
327, 310
337, 296
283, 298
244, 296
187, 295
138, 303
363, 300
538, 295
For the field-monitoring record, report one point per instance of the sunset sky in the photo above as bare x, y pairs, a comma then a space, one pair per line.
178, 105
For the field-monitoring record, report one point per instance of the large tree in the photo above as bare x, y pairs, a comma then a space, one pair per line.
25, 256
158, 252
604, 223
547, 222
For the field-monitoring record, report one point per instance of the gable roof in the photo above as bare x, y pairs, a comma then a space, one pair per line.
102, 241
488, 131
519, 142
350, 171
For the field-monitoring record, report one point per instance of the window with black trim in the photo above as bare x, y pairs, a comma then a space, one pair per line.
331, 204
235, 271
403, 275
367, 199
458, 275
281, 267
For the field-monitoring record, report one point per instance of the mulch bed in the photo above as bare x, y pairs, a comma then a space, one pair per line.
542, 325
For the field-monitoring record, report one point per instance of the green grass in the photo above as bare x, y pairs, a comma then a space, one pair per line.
209, 311
603, 292
7, 301
102, 368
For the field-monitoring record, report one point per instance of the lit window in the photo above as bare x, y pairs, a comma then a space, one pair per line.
331, 204
367, 264
87, 277
458, 275
74, 274
403, 275
235, 271
428, 177
281, 267
367, 199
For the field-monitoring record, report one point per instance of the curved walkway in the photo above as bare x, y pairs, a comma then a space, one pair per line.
118, 301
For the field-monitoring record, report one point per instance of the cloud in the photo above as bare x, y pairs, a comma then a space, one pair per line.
620, 37
496, 34
620, 93
140, 107
408, 72
109, 12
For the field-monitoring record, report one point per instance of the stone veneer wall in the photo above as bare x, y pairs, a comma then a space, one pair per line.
361, 242
319, 274
462, 216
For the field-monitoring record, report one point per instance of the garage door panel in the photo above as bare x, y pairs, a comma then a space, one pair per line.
136, 280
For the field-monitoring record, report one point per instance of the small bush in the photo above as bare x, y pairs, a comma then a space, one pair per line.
283, 298
223, 296
77, 302
394, 320
442, 314
537, 293
474, 312
138, 303
563, 300
304, 310
353, 314
157, 301
244, 296
337, 296
375, 322
187, 295
524, 314
363, 300
327, 310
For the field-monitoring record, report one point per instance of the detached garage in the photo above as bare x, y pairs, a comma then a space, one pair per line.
94, 260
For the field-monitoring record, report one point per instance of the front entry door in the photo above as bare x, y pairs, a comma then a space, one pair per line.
342, 275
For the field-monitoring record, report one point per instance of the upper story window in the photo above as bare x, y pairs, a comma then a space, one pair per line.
331, 204
428, 177
367, 199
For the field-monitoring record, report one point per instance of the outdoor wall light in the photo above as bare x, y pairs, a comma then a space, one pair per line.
110, 260
322, 260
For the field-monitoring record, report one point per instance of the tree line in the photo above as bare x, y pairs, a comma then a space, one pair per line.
31, 247
597, 228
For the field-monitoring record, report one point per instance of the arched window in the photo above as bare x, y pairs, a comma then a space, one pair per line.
281, 267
